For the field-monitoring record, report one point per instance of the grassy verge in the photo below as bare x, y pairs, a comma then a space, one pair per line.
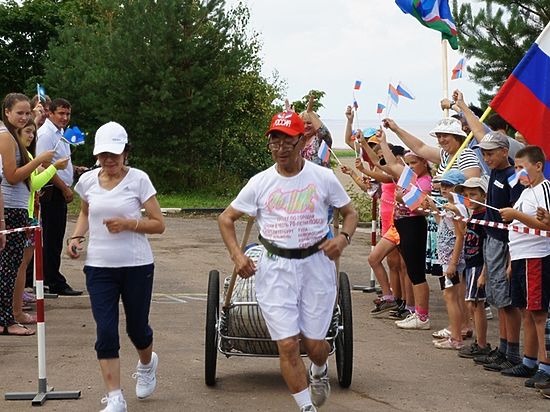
344, 153
177, 200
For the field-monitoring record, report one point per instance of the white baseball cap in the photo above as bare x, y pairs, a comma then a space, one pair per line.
111, 138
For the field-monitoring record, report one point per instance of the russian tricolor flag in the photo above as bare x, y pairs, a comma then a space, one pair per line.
461, 200
407, 178
457, 71
379, 108
394, 94
404, 91
414, 198
520, 176
524, 99
324, 152
357, 85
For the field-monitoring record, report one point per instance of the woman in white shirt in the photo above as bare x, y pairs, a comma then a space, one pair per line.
119, 261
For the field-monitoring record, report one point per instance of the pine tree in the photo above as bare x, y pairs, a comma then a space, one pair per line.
497, 37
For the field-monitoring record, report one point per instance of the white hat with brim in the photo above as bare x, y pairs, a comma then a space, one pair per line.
110, 138
472, 182
448, 125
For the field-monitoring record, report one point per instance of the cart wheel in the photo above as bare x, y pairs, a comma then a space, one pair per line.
344, 340
211, 340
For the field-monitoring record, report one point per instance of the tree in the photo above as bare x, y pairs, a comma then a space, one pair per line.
183, 77
497, 37
26, 28
301, 105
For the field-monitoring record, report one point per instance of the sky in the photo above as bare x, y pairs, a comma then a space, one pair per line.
327, 45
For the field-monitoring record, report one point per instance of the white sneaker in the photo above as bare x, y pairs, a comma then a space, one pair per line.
308, 408
413, 322
114, 404
319, 388
488, 313
146, 380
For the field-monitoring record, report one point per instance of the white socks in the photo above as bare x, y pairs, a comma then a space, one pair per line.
302, 398
318, 370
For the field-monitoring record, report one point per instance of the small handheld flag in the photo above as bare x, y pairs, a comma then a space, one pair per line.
73, 136
394, 94
41, 92
407, 178
414, 198
357, 85
520, 176
457, 71
402, 90
379, 108
324, 152
355, 104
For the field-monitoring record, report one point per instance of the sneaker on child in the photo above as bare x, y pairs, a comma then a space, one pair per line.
319, 387
470, 352
413, 321
383, 307
308, 408
145, 376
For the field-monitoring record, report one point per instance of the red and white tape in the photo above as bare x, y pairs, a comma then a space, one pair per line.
496, 225
18, 229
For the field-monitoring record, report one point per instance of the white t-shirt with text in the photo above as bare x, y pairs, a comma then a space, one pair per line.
291, 212
126, 200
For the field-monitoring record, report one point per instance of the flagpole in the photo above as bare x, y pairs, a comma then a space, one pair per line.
445, 72
336, 157
467, 141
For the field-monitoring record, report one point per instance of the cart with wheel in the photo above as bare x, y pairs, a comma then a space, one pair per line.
239, 329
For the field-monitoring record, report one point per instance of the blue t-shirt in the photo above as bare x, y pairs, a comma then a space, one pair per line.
500, 195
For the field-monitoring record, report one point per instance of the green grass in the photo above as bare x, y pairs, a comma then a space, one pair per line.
344, 153
187, 200
194, 200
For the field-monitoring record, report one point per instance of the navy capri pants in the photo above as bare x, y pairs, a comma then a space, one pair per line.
106, 286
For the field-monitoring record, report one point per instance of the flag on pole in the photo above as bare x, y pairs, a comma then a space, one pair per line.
394, 94
434, 14
524, 98
357, 85
41, 92
461, 200
407, 178
520, 176
402, 90
457, 71
324, 152
379, 108
73, 136
355, 104
414, 198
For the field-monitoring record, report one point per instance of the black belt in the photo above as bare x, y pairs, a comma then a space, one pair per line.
290, 253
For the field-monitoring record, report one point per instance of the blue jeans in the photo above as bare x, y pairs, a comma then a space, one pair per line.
106, 286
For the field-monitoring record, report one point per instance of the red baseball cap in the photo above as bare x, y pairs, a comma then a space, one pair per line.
288, 123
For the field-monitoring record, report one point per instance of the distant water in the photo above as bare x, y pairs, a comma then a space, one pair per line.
418, 128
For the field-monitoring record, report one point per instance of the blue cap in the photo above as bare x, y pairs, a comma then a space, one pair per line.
453, 177
369, 131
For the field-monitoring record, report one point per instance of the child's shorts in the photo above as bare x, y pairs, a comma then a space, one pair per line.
473, 293
392, 235
530, 283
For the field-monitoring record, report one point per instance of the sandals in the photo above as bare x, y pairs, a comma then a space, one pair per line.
29, 297
26, 331
29, 319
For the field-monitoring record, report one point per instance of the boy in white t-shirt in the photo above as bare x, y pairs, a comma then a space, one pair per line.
296, 276
530, 267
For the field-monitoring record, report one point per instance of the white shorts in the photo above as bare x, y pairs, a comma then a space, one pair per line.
296, 295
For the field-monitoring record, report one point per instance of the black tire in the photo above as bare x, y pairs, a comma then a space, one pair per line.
211, 339
344, 340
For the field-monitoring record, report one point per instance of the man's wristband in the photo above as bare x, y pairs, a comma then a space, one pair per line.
347, 236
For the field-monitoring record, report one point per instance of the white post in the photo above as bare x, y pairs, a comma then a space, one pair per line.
445, 72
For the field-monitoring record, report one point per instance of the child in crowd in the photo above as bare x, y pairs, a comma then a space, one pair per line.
475, 189
450, 245
530, 268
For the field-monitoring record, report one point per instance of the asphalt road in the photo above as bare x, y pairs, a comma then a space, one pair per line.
394, 370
